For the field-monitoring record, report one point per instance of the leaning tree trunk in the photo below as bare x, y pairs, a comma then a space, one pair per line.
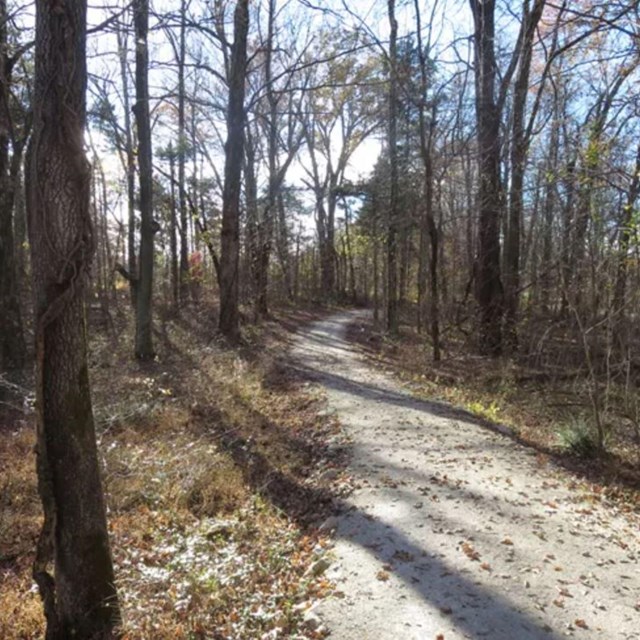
144, 341
229, 323
80, 597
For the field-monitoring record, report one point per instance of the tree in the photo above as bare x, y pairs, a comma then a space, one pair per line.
148, 227
488, 282
340, 113
392, 141
12, 344
181, 156
520, 139
130, 164
280, 123
429, 227
229, 323
79, 599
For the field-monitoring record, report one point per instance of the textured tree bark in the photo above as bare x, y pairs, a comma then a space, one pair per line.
229, 323
80, 597
12, 344
144, 341
488, 282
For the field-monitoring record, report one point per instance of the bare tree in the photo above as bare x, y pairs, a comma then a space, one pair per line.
392, 141
80, 597
488, 282
229, 323
148, 227
520, 140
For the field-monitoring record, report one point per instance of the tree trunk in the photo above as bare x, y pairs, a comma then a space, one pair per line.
283, 247
79, 599
519, 152
548, 209
392, 225
229, 323
143, 341
12, 344
488, 282
429, 224
173, 232
182, 148
626, 232
131, 170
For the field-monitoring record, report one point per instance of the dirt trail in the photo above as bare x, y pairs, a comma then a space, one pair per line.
456, 530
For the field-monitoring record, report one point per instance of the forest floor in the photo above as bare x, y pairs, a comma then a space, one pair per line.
456, 530
220, 463
216, 461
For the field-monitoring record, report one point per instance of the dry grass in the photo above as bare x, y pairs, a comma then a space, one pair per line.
207, 455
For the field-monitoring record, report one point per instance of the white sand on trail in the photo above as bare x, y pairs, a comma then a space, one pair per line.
457, 530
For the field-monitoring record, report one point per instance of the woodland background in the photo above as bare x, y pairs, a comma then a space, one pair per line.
470, 171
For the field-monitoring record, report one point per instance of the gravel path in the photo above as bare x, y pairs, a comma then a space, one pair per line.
454, 531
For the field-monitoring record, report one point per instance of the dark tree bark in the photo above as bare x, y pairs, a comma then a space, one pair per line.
80, 597
12, 343
488, 281
143, 341
229, 323
392, 224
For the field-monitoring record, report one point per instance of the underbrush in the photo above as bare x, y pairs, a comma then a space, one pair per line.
548, 412
209, 456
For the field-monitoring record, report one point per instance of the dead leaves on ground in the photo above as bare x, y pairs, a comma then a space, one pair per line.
470, 552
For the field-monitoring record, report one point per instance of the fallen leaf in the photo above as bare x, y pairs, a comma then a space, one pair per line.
383, 576
470, 552
507, 541
581, 623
